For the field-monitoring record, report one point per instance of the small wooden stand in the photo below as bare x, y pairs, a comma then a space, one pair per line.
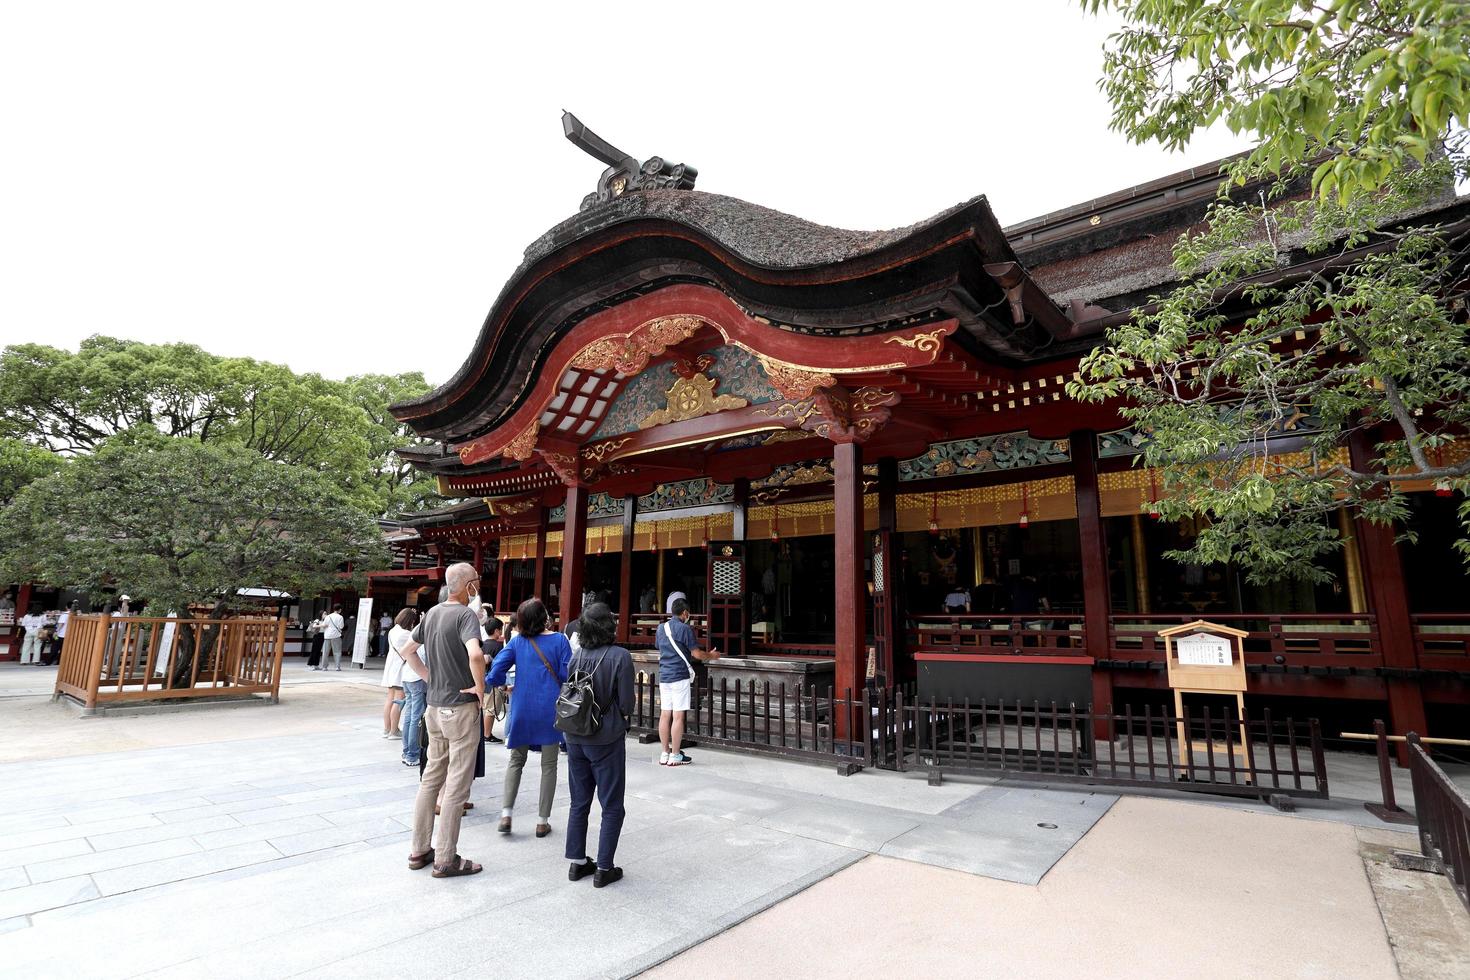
1206, 658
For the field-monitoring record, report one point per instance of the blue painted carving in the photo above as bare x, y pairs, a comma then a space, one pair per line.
686, 493
599, 505
986, 454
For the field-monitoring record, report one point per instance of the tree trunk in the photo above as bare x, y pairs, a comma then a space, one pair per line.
208, 638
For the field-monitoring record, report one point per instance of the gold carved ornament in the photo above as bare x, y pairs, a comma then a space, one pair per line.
691, 398
793, 381
600, 452
925, 343
629, 353
521, 447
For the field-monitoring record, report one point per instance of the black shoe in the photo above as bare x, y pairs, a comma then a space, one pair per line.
579, 871
601, 877
493, 740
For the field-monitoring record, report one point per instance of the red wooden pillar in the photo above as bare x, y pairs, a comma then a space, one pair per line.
847, 526
1383, 571
573, 553
479, 559
538, 587
625, 569
1095, 604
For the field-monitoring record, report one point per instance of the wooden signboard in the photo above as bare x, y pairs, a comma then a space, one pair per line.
1206, 658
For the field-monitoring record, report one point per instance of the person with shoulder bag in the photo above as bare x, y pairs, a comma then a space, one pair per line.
540, 661
592, 713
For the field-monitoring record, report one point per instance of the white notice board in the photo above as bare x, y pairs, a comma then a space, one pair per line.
360, 635
1203, 650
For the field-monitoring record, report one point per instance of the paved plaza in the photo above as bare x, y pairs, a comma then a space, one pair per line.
270, 841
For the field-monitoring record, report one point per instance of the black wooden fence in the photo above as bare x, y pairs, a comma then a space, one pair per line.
1444, 819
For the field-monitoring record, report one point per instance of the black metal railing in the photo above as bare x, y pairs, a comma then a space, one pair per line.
808, 723
1203, 751
1444, 819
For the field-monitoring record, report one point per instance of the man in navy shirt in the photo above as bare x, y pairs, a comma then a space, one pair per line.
678, 648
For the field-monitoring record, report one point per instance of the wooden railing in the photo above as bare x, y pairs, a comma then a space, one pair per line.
1443, 810
1297, 639
145, 658
1034, 634
643, 627
1442, 641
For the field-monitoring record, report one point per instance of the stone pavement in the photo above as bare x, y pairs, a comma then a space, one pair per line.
270, 842
284, 854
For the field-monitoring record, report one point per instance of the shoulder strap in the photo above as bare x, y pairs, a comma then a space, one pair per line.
544, 662
669, 632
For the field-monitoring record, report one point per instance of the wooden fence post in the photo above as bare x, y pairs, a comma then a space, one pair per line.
276, 665
99, 651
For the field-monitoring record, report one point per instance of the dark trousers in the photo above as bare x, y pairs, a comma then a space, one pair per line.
602, 767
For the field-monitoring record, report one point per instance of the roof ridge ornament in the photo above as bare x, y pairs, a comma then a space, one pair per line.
623, 172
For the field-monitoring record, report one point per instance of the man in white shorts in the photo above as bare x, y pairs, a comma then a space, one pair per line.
678, 648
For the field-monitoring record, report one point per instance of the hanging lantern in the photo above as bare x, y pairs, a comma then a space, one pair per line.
934, 515
704, 541
1025, 521
776, 523
1442, 488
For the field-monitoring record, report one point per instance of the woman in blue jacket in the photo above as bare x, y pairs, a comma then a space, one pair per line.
540, 660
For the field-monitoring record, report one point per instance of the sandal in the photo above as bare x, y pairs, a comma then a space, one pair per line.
419, 861
460, 868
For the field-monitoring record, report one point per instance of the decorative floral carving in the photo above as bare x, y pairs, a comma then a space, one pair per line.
793, 381
562, 464
510, 507
691, 398
986, 454
521, 446
685, 493
600, 451
629, 353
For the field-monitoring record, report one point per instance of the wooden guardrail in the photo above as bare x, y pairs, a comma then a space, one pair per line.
119, 659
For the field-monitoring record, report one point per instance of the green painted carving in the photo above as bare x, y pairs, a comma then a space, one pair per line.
685, 493
986, 454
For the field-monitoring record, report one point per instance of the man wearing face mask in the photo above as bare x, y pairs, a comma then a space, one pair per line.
454, 666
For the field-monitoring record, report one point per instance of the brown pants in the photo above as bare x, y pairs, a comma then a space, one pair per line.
454, 737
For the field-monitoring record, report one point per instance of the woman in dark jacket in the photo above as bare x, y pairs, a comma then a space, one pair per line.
599, 761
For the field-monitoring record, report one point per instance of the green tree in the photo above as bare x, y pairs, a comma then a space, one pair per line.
184, 523
21, 463
71, 403
402, 487
1357, 110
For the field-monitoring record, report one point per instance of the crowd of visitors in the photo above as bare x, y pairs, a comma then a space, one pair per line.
42, 631
461, 675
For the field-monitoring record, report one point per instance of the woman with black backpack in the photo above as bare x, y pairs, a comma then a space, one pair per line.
599, 760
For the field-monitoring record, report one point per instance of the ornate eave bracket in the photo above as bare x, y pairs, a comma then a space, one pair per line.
836, 414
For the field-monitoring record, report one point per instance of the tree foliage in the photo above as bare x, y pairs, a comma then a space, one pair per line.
72, 403
1352, 106
402, 487
184, 523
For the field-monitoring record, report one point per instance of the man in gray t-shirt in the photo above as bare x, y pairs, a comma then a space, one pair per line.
444, 634
454, 666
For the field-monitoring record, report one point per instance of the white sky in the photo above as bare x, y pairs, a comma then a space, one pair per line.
345, 187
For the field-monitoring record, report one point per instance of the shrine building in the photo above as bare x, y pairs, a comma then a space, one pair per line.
823, 437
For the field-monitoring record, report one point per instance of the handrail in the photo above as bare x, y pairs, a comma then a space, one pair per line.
1443, 810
